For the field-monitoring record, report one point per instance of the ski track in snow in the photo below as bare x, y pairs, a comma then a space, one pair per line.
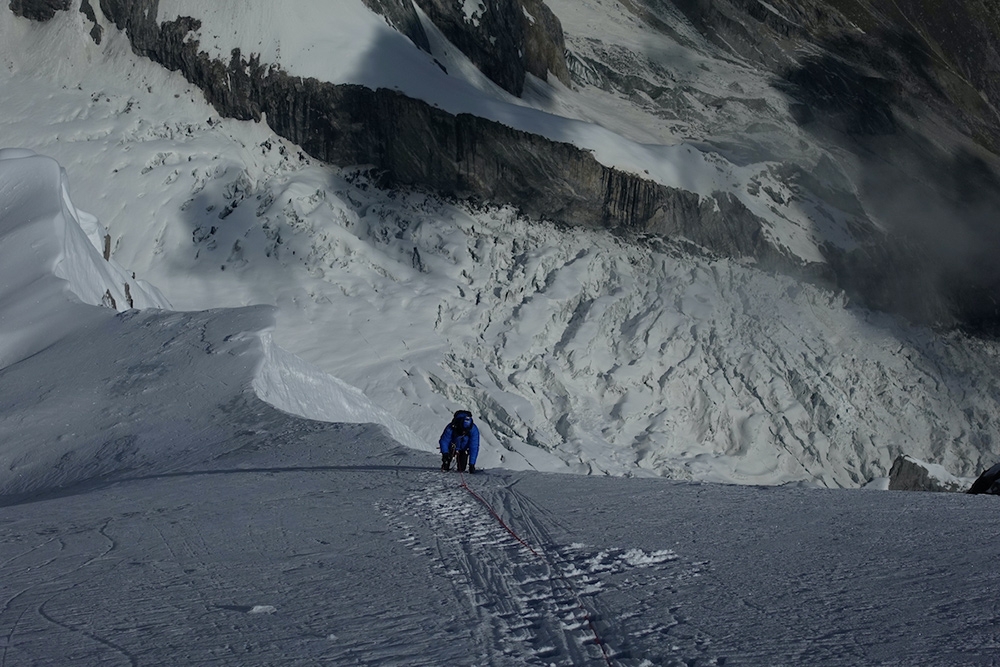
326, 544
535, 602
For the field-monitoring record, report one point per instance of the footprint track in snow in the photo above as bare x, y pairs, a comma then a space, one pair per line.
523, 610
533, 603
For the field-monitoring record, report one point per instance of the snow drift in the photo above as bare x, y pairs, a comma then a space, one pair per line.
50, 264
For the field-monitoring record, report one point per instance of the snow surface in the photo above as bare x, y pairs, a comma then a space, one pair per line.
329, 543
577, 351
156, 511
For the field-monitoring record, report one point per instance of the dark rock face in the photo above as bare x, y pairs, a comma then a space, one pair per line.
988, 482
96, 33
908, 88
38, 10
412, 143
845, 98
401, 15
544, 46
942, 51
504, 38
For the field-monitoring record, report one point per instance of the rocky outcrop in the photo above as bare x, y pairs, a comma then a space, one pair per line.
38, 10
988, 482
402, 16
96, 31
504, 38
910, 474
410, 142
544, 46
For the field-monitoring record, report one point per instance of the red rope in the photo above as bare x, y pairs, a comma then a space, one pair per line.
569, 585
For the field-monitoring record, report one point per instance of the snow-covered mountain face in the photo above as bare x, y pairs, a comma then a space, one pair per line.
820, 129
578, 349
902, 98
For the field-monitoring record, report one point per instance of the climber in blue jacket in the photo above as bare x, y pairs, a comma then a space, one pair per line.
461, 438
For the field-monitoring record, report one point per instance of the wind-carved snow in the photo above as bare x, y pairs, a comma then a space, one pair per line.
300, 388
51, 265
93, 392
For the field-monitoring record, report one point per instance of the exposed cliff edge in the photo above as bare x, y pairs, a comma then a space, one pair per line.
409, 142
38, 10
901, 99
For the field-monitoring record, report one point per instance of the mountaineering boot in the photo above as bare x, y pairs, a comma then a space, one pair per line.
463, 457
445, 462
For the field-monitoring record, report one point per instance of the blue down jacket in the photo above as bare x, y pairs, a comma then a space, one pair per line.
454, 439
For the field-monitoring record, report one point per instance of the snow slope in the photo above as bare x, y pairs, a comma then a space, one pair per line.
577, 351
155, 511
316, 543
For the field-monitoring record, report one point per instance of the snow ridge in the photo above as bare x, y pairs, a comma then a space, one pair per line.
165, 377
290, 384
49, 262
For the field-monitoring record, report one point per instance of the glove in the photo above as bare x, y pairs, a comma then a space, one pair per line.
472, 469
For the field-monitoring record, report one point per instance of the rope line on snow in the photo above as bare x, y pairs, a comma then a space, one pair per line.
569, 585
496, 516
